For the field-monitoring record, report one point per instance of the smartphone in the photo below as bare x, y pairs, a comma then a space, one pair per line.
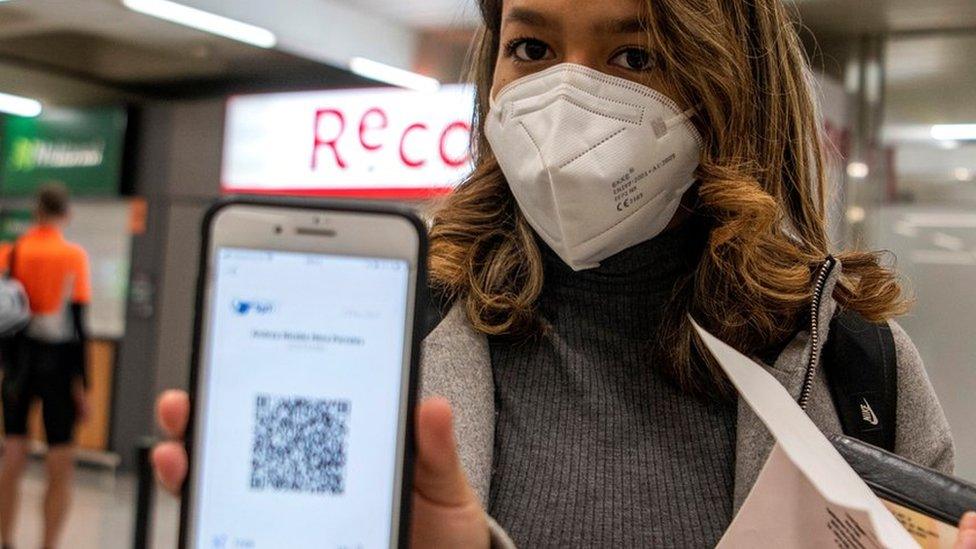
304, 376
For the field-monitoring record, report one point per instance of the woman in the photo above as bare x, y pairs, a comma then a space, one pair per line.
637, 161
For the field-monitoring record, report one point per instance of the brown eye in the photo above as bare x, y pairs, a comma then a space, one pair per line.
634, 59
530, 50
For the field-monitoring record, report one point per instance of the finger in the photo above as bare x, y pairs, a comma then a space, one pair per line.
439, 476
968, 521
170, 464
966, 540
172, 411
967, 532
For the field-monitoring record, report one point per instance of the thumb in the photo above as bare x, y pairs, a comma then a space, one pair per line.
439, 476
967, 532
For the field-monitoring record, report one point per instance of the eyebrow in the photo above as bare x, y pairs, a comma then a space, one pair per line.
626, 25
528, 17
533, 18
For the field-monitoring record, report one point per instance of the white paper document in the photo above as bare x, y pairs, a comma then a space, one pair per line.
806, 495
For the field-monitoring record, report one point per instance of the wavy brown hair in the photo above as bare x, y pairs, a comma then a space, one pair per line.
761, 196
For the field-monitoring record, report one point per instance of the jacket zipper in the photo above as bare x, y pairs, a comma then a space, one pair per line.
814, 362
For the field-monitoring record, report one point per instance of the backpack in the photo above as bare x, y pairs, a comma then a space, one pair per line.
861, 365
859, 362
15, 311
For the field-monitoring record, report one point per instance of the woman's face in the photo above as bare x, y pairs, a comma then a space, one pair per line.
606, 35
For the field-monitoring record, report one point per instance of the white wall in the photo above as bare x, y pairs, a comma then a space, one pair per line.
936, 250
833, 104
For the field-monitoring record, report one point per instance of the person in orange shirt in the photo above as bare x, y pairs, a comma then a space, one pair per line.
47, 361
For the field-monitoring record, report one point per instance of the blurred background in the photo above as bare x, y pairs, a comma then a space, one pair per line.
149, 109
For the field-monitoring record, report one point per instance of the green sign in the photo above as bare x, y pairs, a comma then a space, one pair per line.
81, 148
14, 222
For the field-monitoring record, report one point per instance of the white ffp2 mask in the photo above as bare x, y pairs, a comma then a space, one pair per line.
597, 163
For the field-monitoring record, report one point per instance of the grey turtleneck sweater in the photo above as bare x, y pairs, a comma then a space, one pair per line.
593, 446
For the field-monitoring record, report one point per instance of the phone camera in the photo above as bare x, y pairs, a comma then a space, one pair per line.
278, 229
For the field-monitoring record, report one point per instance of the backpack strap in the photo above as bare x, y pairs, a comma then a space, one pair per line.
861, 366
11, 257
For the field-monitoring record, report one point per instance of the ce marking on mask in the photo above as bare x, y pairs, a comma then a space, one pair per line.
627, 191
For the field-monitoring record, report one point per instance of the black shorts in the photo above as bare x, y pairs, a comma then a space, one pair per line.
47, 375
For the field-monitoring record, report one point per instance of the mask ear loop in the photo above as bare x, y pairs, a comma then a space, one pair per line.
693, 209
662, 126
681, 118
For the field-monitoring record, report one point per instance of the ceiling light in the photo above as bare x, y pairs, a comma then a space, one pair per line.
392, 75
954, 132
20, 106
856, 214
949, 145
204, 21
858, 170
963, 174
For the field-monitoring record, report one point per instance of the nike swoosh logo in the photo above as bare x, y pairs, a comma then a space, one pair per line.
867, 413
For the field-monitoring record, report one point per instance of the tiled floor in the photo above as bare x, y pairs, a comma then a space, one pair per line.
101, 515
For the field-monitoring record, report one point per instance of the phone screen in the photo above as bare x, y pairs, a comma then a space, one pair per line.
300, 391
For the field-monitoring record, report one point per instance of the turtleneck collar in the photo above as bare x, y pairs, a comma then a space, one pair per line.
660, 260
628, 291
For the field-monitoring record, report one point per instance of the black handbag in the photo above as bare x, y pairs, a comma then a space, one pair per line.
910, 486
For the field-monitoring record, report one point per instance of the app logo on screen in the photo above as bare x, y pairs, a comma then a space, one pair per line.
243, 307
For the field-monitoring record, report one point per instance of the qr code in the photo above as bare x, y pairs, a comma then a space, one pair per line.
300, 445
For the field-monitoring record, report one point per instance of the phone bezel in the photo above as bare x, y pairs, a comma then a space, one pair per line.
337, 213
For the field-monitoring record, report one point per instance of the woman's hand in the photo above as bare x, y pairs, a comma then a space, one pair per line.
967, 532
446, 511
169, 458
